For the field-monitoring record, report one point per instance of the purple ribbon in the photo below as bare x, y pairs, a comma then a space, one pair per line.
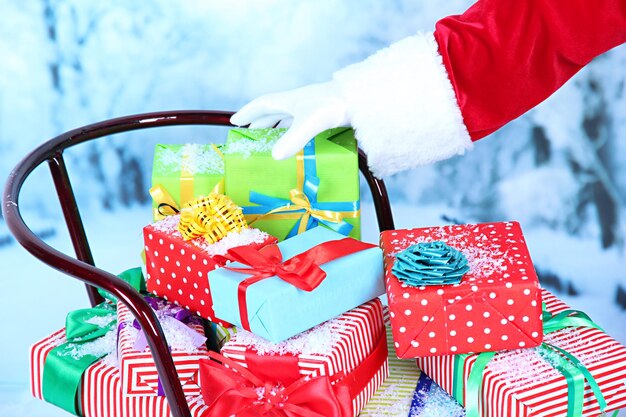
176, 316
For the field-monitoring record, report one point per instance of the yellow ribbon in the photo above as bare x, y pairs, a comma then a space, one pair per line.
186, 176
213, 217
299, 201
163, 200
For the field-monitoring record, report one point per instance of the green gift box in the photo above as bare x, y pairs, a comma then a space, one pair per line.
183, 172
319, 185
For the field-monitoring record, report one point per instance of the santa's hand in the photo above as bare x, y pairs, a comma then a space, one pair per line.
308, 111
399, 101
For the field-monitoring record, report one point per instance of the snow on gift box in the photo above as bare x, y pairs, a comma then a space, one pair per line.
182, 172
350, 351
578, 371
285, 289
185, 335
97, 391
496, 305
319, 185
177, 269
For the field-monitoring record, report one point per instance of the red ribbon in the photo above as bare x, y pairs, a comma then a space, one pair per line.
229, 389
302, 271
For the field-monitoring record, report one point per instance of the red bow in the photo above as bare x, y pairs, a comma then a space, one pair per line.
302, 271
232, 390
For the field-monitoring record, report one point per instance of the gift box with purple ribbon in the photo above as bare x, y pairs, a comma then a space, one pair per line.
185, 336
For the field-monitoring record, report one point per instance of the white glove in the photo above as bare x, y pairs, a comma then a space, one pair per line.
308, 110
399, 101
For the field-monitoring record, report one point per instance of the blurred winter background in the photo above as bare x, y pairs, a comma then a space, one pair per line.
560, 170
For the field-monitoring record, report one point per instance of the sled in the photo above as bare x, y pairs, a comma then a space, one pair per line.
82, 266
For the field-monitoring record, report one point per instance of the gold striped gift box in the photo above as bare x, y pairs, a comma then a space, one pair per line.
393, 398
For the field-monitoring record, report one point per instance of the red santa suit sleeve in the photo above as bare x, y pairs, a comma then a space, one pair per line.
429, 96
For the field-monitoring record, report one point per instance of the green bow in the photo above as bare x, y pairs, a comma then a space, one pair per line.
568, 365
134, 277
66, 363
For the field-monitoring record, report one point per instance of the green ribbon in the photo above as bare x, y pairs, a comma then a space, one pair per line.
574, 372
134, 277
66, 363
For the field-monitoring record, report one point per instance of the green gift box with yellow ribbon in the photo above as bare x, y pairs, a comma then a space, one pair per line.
317, 186
577, 371
183, 172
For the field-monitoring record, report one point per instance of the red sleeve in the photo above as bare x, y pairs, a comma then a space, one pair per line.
504, 57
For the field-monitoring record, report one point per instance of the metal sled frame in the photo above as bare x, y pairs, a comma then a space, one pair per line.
82, 267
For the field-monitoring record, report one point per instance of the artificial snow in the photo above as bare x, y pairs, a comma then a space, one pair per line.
518, 367
437, 403
176, 340
482, 251
246, 148
234, 239
98, 347
204, 160
46, 314
101, 321
346, 33
320, 340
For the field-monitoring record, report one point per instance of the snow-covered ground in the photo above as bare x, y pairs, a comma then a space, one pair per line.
37, 298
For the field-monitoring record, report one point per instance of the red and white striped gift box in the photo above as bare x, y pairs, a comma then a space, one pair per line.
519, 383
355, 335
177, 270
100, 392
138, 370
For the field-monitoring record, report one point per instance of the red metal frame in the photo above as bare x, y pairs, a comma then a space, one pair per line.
83, 267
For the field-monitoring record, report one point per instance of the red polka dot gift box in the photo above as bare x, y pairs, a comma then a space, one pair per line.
177, 269
459, 289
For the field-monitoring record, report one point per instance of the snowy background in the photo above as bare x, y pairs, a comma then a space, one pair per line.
560, 170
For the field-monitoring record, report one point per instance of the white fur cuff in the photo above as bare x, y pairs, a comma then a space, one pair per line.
403, 107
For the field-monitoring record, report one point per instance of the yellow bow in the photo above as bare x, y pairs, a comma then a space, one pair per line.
213, 217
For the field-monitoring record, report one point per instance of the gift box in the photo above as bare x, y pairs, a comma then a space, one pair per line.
393, 398
320, 185
349, 351
288, 288
339, 345
430, 400
100, 390
185, 337
407, 392
578, 371
495, 306
182, 172
177, 269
